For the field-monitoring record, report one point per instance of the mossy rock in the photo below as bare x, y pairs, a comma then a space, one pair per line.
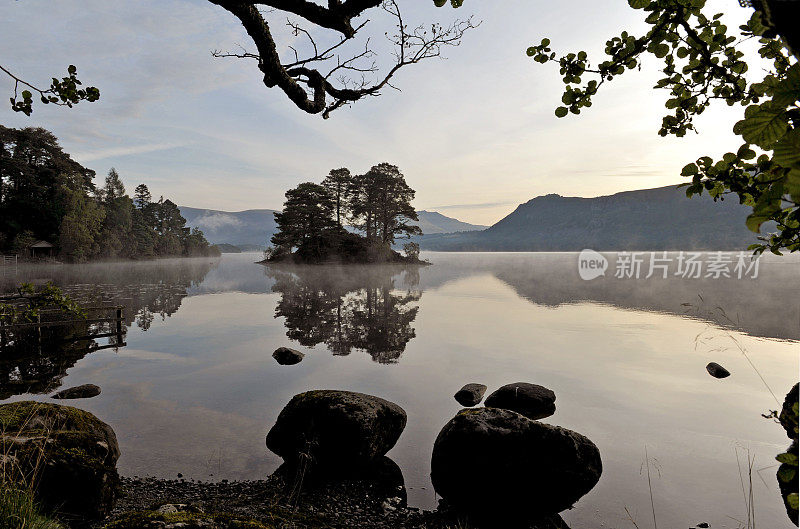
69, 455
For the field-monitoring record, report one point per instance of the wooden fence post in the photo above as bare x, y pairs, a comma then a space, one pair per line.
119, 324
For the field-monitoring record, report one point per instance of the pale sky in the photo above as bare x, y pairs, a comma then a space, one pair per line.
475, 134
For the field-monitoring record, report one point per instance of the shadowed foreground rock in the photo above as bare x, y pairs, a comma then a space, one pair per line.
77, 473
531, 400
85, 391
336, 428
498, 465
470, 394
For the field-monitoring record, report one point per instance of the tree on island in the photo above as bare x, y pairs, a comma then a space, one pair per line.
380, 201
377, 204
338, 183
306, 222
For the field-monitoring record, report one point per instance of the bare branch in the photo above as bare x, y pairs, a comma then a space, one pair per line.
302, 80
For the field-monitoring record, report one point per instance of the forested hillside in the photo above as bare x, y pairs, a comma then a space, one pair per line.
47, 196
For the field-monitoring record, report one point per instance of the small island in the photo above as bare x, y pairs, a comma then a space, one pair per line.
347, 219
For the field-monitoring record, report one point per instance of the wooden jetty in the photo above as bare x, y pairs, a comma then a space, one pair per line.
49, 318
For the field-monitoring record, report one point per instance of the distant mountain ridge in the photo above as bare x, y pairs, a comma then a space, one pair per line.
254, 227
249, 227
434, 222
650, 219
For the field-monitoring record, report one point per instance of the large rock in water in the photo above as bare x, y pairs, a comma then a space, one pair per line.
495, 463
531, 400
73, 452
470, 394
336, 428
287, 357
717, 371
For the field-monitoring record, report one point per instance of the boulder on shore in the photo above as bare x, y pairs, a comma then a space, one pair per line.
287, 357
717, 371
531, 400
73, 453
336, 428
470, 394
84, 391
495, 463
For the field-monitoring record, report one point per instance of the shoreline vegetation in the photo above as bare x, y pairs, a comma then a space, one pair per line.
50, 208
347, 218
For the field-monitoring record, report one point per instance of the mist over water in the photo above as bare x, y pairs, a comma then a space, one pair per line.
196, 389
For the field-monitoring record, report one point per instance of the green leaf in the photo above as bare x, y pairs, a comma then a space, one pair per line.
763, 125
787, 150
791, 499
689, 170
754, 222
787, 90
638, 4
786, 474
561, 112
787, 458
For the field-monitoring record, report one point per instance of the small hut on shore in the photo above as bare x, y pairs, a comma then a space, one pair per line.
41, 249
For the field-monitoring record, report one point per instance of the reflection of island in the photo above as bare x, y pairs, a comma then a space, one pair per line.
146, 290
368, 308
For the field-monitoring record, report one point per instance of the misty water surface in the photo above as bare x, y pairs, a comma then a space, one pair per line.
195, 389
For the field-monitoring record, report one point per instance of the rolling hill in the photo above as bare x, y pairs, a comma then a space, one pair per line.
254, 227
649, 219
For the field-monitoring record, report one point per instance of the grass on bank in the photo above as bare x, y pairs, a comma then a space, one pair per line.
18, 508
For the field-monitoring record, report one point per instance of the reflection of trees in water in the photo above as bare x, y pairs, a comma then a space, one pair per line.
25, 368
145, 290
368, 308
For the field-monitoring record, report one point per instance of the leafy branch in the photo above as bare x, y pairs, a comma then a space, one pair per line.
62, 92
702, 63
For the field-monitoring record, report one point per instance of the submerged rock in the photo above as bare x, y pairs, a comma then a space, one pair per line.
531, 400
336, 428
717, 371
470, 394
85, 391
495, 463
287, 357
73, 452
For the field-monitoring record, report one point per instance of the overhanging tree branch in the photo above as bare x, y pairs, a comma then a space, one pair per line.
303, 80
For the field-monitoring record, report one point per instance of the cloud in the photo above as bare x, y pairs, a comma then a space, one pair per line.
114, 152
215, 221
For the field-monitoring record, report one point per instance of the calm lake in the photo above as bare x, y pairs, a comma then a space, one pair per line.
195, 389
